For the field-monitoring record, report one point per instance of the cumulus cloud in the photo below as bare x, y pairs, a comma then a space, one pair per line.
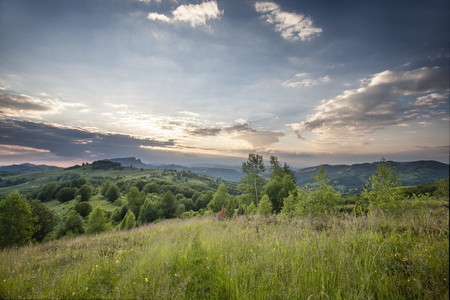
291, 26
380, 103
195, 14
71, 142
304, 80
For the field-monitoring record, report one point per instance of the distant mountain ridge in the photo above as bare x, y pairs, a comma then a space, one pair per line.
349, 178
356, 176
346, 177
27, 168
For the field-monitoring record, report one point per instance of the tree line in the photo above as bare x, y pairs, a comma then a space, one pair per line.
25, 219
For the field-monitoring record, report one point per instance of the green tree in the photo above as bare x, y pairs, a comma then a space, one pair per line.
134, 200
113, 193
105, 187
149, 212
265, 206
221, 198
252, 183
321, 197
65, 194
83, 208
280, 184
47, 220
98, 222
17, 223
48, 192
151, 188
129, 221
73, 224
203, 200
168, 205
442, 188
382, 190
118, 214
78, 182
85, 191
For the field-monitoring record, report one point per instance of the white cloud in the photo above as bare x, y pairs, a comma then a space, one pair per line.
378, 103
303, 80
291, 26
195, 14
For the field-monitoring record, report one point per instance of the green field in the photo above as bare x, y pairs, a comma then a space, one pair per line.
338, 257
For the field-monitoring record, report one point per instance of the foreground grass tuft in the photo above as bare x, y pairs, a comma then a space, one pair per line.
342, 257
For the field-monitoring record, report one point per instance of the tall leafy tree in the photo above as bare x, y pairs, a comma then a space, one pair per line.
265, 206
17, 223
73, 223
98, 222
113, 193
221, 198
134, 200
65, 194
47, 220
321, 197
149, 212
168, 205
83, 208
382, 190
105, 187
85, 192
129, 221
253, 183
280, 184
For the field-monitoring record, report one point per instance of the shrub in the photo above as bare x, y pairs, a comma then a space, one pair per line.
97, 221
129, 221
73, 224
65, 194
83, 208
85, 191
265, 206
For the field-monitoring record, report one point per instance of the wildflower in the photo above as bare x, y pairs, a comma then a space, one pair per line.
146, 279
177, 275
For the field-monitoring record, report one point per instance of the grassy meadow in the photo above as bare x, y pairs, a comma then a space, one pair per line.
248, 257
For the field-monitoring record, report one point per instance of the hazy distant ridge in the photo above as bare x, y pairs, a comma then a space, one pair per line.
347, 176
27, 168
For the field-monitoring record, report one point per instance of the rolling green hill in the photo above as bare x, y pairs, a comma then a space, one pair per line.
27, 182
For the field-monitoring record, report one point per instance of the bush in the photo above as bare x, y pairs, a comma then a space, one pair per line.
97, 221
73, 224
47, 220
85, 191
129, 221
83, 208
149, 212
265, 206
65, 194
113, 193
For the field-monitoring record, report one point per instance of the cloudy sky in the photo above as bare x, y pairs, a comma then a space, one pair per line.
175, 81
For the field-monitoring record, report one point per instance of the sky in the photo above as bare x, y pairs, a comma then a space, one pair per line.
186, 82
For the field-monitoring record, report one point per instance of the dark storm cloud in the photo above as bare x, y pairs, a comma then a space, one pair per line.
71, 142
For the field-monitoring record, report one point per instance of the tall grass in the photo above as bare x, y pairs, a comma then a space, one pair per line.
336, 257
